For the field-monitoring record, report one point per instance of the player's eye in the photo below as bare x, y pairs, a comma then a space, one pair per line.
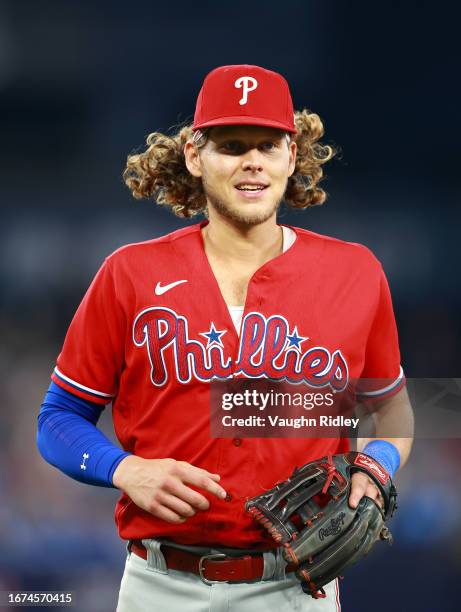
270, 145
238, 147
233, 147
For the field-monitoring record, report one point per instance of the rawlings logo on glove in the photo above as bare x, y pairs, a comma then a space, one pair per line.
369, 463
309, 515
334, 528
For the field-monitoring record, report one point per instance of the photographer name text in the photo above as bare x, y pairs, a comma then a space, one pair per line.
292, 422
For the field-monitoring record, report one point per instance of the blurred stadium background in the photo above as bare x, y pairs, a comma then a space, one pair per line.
81, 85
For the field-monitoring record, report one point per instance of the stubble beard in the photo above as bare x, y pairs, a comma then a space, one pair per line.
242, 217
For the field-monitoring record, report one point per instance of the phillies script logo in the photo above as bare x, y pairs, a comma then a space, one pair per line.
372, 466
267, 349
334, 528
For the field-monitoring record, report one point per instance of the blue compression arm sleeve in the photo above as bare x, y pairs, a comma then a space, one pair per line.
385, 453
68, 438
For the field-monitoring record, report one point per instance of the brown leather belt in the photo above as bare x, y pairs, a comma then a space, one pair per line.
211, 568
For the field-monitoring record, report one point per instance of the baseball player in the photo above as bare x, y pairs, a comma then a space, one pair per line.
236, 295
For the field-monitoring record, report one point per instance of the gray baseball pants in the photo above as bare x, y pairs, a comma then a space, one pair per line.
148, 586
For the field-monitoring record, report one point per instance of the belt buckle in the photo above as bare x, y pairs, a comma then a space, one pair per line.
201, 569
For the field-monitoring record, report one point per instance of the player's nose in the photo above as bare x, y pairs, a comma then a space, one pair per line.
252, 161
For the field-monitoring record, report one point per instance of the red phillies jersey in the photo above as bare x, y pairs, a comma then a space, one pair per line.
153, 330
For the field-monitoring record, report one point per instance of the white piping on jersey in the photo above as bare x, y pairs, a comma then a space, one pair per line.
79, 386
384, 389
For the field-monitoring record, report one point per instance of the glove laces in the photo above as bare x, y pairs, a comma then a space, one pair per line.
331, 473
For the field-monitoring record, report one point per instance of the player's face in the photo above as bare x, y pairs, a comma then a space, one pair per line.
244, 171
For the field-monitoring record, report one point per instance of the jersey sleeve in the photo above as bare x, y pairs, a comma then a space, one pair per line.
92, 356
382, 375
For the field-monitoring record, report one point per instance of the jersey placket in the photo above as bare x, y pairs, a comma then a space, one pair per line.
237, 450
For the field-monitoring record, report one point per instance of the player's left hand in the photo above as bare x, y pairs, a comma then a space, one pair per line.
349, 511
362, 485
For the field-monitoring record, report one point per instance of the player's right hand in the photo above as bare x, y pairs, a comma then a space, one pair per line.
159, 486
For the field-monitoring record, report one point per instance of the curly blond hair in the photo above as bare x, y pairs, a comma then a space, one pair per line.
160, 172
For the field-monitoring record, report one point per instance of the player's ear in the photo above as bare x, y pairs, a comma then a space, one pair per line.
192, 158
292, 147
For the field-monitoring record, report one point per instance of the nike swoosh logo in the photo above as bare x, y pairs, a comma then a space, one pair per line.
159, 290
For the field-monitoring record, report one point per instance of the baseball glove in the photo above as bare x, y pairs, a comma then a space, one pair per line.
309, 515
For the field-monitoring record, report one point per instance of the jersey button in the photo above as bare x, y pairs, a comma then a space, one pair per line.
237, 441
228, 497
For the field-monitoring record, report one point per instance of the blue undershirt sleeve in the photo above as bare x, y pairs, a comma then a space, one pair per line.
68, 439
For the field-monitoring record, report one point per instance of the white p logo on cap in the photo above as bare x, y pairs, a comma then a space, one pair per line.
247, 83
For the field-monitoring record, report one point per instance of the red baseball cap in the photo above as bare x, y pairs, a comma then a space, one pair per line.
244, 95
